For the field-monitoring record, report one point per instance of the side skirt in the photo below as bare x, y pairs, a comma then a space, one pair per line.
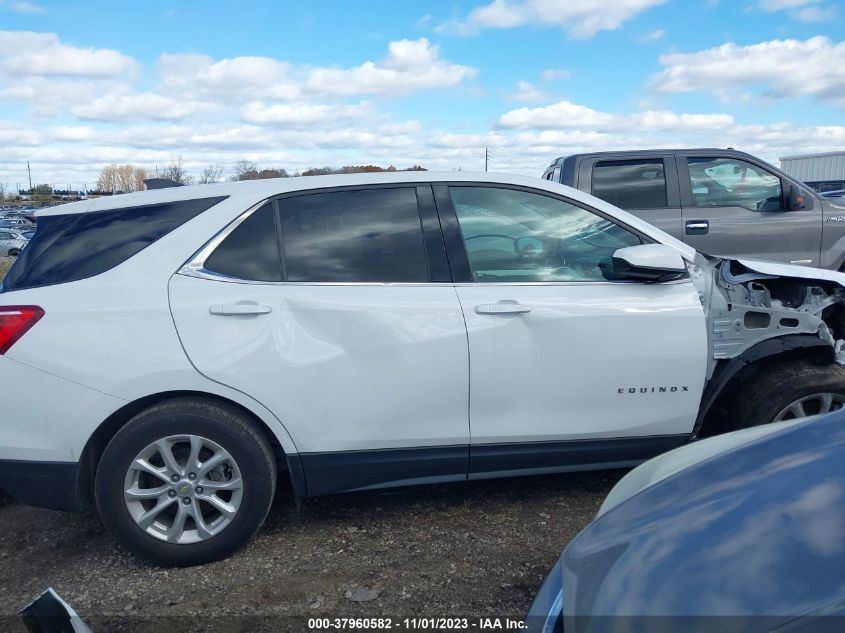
536, 458
347, 471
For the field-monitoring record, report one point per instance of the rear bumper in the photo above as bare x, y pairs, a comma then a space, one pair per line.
50, 485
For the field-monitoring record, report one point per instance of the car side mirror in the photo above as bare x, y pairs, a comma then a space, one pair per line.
798, 199
648, 262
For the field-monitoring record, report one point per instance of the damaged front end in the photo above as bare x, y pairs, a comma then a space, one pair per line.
758, 313
749, 302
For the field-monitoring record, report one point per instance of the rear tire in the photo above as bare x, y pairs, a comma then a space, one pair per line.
784, 391
162, 509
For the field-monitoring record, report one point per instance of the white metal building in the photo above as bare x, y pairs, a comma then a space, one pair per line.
823, 172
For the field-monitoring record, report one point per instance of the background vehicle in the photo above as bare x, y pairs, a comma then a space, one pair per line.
11, 242
18, 214
199, 343
742, 532
719, 201
16, 223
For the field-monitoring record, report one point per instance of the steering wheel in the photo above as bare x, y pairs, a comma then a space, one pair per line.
498, 235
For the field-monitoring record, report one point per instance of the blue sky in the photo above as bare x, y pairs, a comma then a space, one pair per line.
297, 85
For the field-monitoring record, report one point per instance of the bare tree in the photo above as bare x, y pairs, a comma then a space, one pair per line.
130, 178
244, 170
121, 179
107, 180
175, 171
212, 173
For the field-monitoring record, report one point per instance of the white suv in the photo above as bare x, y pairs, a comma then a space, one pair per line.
171, 355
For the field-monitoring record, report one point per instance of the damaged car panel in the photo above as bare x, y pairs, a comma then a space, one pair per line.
745, 304
760, 311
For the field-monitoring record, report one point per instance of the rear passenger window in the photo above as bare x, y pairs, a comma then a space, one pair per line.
371, 235
251, 250
631, 184
73, 247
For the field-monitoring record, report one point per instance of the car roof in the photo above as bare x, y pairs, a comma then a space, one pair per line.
723, 151
247, 193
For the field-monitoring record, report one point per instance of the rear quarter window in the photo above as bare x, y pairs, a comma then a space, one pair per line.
72, 247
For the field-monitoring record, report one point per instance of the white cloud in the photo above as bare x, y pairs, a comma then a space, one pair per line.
243, 77
288, 115
144, 105
304, 113
567, 115
527, 92
551, 74
779, 68
803, 10
24, 7
563, 114
654, 36
410, 65
581, 19
27, 54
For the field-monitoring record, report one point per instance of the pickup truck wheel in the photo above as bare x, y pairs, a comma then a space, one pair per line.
787, 391
185, 482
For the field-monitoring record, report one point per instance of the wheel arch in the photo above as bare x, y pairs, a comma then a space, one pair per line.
730, 373
286, 460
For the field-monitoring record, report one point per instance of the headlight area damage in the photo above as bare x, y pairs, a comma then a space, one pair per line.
760, 314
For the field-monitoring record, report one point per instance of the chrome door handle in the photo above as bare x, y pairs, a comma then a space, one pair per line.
237, 309
502, 307
697, 227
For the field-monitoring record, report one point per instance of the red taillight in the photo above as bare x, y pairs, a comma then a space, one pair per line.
15, 321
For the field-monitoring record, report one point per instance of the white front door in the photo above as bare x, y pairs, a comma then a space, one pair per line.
343, 337
566, 366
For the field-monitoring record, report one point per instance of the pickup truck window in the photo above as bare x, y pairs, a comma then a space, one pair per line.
631, 184
729, 182
513, 235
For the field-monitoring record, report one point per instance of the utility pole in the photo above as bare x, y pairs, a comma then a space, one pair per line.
29, 171
486, 157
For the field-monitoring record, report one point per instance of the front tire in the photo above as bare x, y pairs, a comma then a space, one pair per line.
787, 391
185, 482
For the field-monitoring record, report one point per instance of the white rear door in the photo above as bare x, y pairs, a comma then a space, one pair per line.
350, 337
567, 367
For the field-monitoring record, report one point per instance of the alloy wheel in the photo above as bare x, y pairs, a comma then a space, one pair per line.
816, 404
183, 489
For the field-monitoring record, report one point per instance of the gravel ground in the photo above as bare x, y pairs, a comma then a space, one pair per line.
476, 549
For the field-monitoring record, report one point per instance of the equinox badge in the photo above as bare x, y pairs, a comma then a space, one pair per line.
672, 389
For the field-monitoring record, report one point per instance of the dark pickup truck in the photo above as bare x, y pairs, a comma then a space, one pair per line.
719, 201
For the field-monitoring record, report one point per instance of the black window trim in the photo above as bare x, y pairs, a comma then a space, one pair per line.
437, 263
456, 249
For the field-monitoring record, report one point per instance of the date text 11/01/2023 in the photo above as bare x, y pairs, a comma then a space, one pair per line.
417, 624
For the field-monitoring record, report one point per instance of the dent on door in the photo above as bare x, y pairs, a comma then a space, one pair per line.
356, 373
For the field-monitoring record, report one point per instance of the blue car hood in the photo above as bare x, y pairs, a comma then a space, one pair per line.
755, 531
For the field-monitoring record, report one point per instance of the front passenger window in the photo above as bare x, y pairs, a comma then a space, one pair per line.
513, 235
728, 182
